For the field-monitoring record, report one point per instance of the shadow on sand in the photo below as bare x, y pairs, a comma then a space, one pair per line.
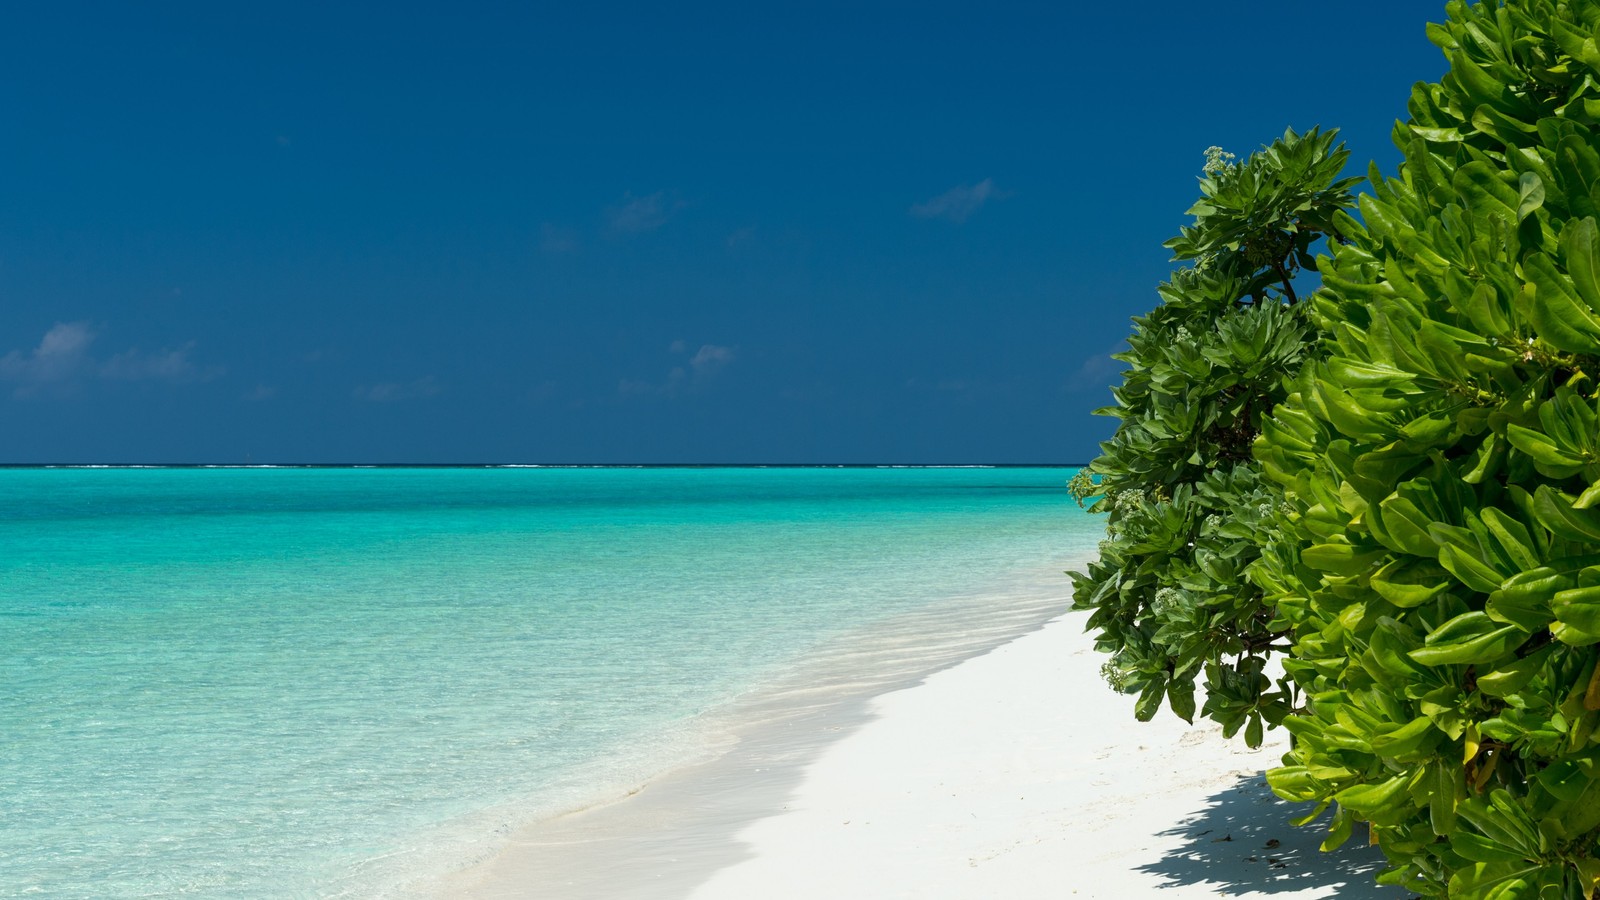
1242, 842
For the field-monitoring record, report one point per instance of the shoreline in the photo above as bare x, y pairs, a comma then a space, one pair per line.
678, 827
944, 760
1020, 774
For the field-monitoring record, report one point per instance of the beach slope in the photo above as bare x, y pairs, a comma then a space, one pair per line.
1020, 774
1013, 773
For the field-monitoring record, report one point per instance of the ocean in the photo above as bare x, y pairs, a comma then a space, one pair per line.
337, 682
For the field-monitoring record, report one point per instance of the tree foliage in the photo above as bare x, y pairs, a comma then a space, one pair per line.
1438, 559
1188, 508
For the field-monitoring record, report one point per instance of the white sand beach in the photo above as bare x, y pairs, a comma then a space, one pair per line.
1015, 773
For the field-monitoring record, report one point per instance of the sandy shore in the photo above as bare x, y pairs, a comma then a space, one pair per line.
1012, 773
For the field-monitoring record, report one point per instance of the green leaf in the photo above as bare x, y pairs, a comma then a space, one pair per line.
1437, 135
1469, 569
1382, 800
1495, 881
1294, 783
1480, 849
1524, 599
1566, 780
1511, 677
1471, 637
1409, 582
1580, 240
1577, 613
1512, 537
1150, 700
1340, 559
1558, 315
1406, 527
1410, 742
1485, 460
1563, 519
1180, 697
1351, 374
1504, 820
1313, 815
1541, 448
1530, 195
1339, 829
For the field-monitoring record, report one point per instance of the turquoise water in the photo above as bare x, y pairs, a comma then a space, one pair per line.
283, 682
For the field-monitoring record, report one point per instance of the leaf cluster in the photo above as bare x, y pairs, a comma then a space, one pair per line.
1188, 511
1437, 555
1258, 221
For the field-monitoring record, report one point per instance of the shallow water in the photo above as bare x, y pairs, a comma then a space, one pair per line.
279, 682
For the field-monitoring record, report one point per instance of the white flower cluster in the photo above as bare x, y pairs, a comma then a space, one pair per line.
1130, 499
1112, 672
1167, 599
1218, 161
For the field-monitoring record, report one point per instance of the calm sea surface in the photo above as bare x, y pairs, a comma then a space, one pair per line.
315, 682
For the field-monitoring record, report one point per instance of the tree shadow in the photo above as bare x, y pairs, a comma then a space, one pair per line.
1242, 842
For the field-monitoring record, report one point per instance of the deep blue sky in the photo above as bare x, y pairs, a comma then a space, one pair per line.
741, 232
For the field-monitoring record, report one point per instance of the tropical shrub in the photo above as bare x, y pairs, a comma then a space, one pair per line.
1188, 510
1439, 558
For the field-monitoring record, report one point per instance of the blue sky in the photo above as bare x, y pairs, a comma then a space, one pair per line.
736, 232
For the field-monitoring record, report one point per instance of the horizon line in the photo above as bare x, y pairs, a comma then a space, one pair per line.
466, 465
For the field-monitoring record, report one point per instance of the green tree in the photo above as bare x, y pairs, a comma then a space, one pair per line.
1187, 508
1439, 559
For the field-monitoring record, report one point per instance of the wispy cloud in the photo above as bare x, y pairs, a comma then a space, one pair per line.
689, 375
956, 204
1097, 371
639, 214
62, 355
710, 358
393, 391
163, 365
64, 359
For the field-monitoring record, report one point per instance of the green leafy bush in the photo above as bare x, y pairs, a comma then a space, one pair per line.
1439, 559
1188, 508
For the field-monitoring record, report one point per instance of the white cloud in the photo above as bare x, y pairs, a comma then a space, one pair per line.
1098, 370
166, 365
709, 358
62, 355
64, 359
392, 391
639, 214
694, 373
956, 204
